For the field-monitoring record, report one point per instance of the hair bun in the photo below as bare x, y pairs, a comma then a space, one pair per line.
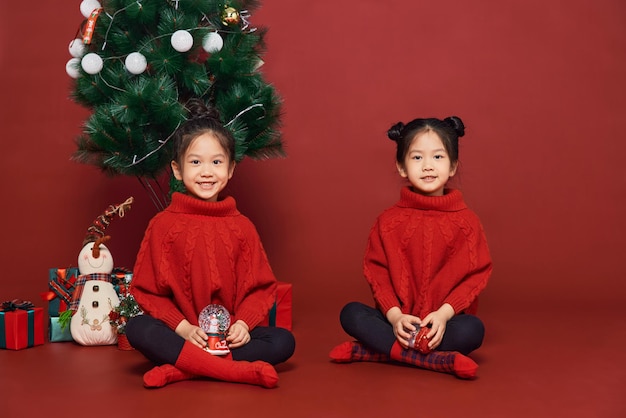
457, 124
395, 132
198, 110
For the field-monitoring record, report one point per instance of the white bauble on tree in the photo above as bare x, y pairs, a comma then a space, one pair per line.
212, 42
136, 63
71, 68
91, 63
76, 48
182, 41
88, 6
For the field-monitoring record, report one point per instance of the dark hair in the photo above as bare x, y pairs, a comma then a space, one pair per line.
449, 130
202, 119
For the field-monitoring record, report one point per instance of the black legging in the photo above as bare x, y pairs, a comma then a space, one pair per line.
464, 333
161, 345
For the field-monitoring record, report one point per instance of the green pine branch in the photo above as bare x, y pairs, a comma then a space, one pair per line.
133, 116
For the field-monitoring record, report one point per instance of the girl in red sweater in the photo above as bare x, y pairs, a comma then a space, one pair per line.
426, 262
199, 251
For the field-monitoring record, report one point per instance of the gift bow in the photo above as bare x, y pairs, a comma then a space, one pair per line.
12, 305
65, 281
62, 287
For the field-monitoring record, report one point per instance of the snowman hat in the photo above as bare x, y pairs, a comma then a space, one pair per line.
95, 232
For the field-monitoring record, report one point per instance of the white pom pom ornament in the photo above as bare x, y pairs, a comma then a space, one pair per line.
182, 41
91, 63
135, 63
212, 43
88, 6
76, 48
71, 68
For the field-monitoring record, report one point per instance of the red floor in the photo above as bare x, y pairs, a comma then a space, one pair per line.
547, 364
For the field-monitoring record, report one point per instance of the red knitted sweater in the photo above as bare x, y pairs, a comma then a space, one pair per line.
196, 253
427, 251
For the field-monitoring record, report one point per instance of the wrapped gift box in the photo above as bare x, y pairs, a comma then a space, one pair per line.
56, 306
61, 285
280, 314
21, 328
56, 333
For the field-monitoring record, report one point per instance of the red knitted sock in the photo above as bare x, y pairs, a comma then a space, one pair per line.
355, 351
162, 375
440, 361
195, 361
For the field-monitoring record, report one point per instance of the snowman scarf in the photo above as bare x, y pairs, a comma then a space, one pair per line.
80, 285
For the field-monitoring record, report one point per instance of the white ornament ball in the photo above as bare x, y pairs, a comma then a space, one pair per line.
88, 6
76, 48
91, 63
182, 41
212, 43
71, 68
135, 63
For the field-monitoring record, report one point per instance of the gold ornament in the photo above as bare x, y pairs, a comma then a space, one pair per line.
230, 16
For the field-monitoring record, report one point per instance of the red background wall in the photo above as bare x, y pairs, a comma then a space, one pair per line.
539, 84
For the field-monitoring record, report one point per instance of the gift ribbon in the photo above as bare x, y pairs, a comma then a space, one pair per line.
31, 328
15, 304
61, 286
69, 283
3, 338
272, 316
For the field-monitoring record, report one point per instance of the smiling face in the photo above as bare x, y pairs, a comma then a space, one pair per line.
205, 168
427, 165
88, 264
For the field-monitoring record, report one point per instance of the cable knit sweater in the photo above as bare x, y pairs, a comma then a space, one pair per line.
427, 251
196, 253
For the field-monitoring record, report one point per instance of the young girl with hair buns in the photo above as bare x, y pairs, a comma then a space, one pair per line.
201, 251
426, 262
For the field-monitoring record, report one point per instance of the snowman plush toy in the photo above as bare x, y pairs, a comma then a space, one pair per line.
95, 295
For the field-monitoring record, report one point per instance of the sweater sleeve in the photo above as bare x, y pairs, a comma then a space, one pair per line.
465, 293
153, 295
376, 271
256, 283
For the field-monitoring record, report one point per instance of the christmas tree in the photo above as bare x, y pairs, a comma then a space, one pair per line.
135, 63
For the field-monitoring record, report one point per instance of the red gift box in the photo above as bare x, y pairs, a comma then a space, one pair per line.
21, 328
280, 314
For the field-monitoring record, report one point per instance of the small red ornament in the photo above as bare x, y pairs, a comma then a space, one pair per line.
90, 27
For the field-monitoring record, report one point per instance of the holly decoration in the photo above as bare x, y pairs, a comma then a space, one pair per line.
119, 315
142, 60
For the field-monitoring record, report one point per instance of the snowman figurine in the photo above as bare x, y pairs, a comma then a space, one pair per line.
95, 296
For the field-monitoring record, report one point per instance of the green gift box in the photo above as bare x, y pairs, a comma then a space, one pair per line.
56, 333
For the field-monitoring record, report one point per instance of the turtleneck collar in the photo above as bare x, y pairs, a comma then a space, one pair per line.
451, 201
182, 203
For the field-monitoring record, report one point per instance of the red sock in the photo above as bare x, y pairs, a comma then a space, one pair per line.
195, 361
162, 375
355, 351
440, 361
